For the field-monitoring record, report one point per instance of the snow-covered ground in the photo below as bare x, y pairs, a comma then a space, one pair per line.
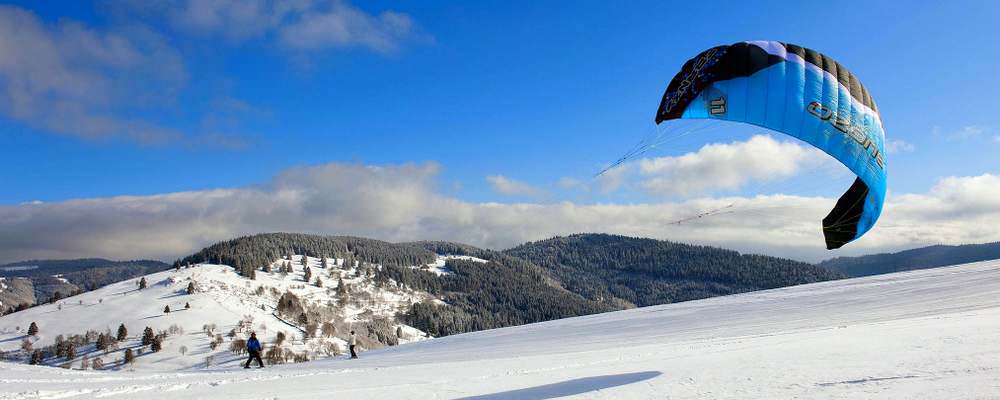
931, 334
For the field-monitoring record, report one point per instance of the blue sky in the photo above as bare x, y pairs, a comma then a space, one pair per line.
535, 93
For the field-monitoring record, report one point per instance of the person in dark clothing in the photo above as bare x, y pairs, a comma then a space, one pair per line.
353, 342
253, 347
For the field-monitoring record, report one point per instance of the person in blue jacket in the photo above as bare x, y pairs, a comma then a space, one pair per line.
253, 347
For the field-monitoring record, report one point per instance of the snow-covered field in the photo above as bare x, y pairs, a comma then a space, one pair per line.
931, 334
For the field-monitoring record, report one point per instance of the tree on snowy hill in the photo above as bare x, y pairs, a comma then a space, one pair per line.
319, 282
26, 346
290, 305
166, 310
147, 336
36, 357
102, 342
98, 364
85, 363
190, 288
238, 346
33, 329
267, 268
122, 333
187, 306
142, 283
323, 263
328, 329
156, 345
341, 287
307, 275
129, 357
275, 355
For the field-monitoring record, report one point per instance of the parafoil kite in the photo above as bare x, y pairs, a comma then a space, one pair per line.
799, 92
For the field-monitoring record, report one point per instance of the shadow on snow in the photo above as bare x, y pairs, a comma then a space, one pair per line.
570, 387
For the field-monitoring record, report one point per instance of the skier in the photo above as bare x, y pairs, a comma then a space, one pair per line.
253, 347
353, 342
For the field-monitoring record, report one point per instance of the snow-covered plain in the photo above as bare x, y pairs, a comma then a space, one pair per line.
931, 334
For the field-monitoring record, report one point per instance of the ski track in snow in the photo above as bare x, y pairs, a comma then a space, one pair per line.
929, 334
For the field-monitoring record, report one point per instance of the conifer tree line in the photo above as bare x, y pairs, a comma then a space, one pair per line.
250, 253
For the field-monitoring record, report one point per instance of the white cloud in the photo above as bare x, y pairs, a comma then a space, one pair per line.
506, 186
727, 166
301, 24
70, 79
964, 133
401, 203
899, 146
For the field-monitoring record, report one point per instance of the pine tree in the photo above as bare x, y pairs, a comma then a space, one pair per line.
142, 283
102, 342
70, 351
319, 282
147, 336
324, 263
36, 357
122, 333
129, 356
253, 274
190, 288
166, 310
156, 345
85, 362
26, 346
33, 329
399, 332
308, 274
187, 306
341, 287
303, 319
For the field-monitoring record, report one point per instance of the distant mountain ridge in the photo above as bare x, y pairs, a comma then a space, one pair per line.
919, 258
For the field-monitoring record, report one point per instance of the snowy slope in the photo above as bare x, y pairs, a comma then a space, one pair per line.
222, 298
929, 334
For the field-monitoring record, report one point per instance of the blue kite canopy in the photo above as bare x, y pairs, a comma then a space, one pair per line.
799, 92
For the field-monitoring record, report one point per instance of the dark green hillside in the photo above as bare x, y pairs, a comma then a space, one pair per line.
648, 272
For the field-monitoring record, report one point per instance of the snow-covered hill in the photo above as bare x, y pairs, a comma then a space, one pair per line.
223, 301
929, 334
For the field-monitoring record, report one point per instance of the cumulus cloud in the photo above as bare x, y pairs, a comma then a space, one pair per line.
727, 166
507, 186
403, 202
300, 24
70, 79
899, 146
